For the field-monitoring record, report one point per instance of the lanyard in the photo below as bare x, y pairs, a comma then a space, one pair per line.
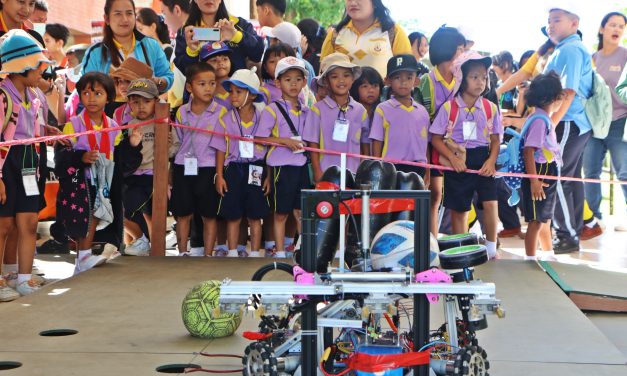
240, 126
104, 146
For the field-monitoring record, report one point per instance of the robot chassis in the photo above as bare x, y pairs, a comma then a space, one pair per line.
296, 328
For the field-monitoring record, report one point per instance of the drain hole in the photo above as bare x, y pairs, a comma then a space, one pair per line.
176, 368
58, 332
5, 366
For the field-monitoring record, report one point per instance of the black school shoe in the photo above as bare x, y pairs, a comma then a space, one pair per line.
52, 246
563, 245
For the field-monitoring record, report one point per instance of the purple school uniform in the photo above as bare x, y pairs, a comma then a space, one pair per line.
197, 144
231, 125
403, 130
223, 100
321, 122
482, 130
439, 92
272, 93
77, 125
273, 124
547, 147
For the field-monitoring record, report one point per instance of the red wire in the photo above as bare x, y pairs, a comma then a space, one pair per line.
390, 322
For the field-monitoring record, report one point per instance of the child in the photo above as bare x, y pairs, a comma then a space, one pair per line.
542, 157
81, 168
130, 69
338, 122
283, 122
194, 168
367, 90
240, 176
435, 89
270, 90
22, 167
400, 126
143, 95
465, 121
218, 55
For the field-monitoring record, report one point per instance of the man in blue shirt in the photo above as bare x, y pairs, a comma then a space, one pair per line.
572, 62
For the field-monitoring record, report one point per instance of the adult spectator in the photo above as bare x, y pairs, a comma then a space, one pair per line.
610, 60
504, 66
175, 13
14, 14
311, 44
122, 40
420, 49
153, 25
368, 35
55, 38
572, 62
270, 12
236, 32
40, 15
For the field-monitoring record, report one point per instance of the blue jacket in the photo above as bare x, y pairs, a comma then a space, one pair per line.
249, 45
93, 62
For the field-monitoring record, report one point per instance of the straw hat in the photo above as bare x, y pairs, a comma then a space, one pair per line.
20, 53
337, 60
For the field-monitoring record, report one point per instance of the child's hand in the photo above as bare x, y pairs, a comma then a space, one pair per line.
266, 186
221, 186
3, 193
488, 169
136, 137
317, 175
458, 164
294, 145
193, 45
90, 157
537, 190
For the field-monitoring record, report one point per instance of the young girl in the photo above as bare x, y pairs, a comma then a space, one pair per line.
542, 157
435, 89
338, 122
400, 126
472, 122
194, 166
271, 92
79, 172
240, 176
283, 122
218, 55
22, 167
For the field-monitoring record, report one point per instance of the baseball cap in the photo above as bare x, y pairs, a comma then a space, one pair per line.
288, 63
287, 33
209, 50
402, 63
245, 79
144, 88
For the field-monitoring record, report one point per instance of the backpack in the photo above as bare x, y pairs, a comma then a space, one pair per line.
598, 106
511, 157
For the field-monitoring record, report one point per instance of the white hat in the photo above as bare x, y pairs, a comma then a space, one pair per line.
287, 33
245, 79
569, 6
288, 63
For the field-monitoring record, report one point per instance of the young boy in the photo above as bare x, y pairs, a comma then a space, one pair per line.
143, 95
400, 126
240, 176
338, 122
283, 122
195, 162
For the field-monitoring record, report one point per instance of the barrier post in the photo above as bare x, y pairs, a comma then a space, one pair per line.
160, 181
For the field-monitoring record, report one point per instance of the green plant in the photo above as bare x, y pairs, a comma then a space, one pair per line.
328, 12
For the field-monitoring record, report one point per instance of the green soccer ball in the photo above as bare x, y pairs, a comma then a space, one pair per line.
199, 313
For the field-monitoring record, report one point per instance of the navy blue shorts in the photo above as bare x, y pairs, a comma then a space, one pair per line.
288, 181
242, 199
137, 195
459, 188
541, 211
17, 202
194, 194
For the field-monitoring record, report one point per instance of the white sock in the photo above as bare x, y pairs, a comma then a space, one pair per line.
241, 247
280, 254
9, 268
143, 238
269, 244
21, 278
232, 253
592, 223
83, 253
288, 241
534, 258
491, 246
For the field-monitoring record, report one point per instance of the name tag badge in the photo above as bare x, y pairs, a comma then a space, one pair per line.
298, 138
340, 131
470, 130
254, 175
29, 179
246, 148
191, 166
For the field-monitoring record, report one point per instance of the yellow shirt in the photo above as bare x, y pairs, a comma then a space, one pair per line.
371, 47
123, 50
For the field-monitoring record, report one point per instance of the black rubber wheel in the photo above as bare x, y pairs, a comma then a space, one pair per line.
463, 257
259, 360
471, 361
454, 241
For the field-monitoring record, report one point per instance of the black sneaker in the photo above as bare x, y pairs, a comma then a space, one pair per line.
563, 246
52, 246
